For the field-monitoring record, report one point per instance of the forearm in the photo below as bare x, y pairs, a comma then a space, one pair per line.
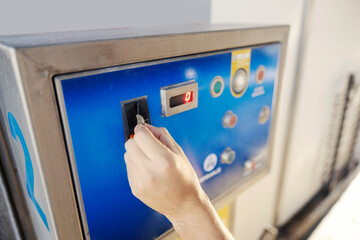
201, 222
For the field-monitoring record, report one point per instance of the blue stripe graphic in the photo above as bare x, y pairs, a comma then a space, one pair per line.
16, 132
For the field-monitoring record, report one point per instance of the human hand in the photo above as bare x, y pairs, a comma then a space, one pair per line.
161, 176
159, 173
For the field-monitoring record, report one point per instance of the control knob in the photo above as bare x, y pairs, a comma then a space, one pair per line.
227, 156
229, 120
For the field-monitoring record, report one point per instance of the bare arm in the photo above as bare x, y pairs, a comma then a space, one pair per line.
161, 176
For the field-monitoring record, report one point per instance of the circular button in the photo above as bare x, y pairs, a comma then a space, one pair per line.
239, 83
233, 121
210, 162
228, 156
229, 120
250, 165
264, 114
217, 86
260, 73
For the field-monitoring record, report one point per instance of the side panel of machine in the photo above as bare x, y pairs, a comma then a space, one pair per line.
225, 136
9, 228
18, 133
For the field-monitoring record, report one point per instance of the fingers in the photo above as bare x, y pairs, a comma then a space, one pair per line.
163, 136
149, 144
134, 155
132, 173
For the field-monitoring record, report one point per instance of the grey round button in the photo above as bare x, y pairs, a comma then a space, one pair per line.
227, 156
264, 114
229, 120
239, 82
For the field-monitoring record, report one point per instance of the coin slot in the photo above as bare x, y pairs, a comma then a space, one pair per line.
130, 108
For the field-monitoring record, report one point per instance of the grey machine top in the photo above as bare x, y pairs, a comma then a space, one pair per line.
72, 37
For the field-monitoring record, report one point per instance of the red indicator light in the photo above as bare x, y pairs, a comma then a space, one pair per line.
261, 75
181, 99
188, 96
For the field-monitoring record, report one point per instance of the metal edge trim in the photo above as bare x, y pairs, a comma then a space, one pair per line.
71, 155
32, 139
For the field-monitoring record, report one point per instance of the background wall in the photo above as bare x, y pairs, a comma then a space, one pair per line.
19, 16
331, 53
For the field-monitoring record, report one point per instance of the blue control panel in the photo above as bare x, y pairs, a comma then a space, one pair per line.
225, 135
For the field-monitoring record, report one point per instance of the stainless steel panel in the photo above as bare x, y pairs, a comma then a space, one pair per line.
170, 91
8, 226
13, 102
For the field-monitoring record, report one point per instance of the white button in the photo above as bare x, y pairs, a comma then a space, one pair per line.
240, 82
210, 162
